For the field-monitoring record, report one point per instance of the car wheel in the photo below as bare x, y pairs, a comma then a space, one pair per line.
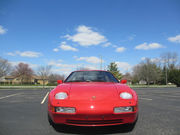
50, 121
131, 126
57, 127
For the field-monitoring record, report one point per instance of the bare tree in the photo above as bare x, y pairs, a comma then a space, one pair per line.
169, 60
136, 74
44, 72
54, 77
23, 72
147, 71
5, 67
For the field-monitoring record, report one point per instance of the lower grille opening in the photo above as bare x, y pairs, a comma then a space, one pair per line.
95, 122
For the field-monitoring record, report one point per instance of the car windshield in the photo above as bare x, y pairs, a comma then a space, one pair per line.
91, 76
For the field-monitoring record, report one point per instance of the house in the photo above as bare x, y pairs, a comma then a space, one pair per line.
39, 80
142, 82
17, 80
9, 80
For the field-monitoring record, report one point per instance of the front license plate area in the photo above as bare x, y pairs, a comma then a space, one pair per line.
94, 117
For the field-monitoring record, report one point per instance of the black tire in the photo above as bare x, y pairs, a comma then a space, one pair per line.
50, 121
131, 126
57, 127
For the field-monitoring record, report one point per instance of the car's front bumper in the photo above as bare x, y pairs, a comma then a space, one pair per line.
93, 120
93, 113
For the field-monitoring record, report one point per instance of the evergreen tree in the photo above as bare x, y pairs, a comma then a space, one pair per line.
113, 68
174, 76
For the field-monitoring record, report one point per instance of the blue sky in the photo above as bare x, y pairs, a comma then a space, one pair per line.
75, 33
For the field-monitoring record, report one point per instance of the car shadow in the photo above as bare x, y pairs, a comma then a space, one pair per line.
92, 130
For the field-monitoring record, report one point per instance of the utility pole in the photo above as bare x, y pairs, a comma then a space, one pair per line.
101, 62
166, 74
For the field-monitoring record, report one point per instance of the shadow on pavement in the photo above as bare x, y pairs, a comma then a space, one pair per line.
124, 128
92, 130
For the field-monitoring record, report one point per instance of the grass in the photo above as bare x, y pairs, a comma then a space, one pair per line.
31, 86
26, 86
152, 86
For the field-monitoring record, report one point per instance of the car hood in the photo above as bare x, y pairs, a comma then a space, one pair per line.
92, 91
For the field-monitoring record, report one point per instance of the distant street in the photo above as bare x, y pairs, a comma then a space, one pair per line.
24, 112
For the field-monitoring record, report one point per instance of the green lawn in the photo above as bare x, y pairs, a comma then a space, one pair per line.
51, 87
151, 86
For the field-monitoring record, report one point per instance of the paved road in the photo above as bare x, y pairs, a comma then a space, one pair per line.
24, 112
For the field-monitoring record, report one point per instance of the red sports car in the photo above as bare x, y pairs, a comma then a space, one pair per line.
92, 98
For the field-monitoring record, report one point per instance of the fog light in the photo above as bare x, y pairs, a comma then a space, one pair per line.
65, 109
123, 109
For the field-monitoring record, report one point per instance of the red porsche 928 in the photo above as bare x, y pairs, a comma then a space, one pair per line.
92, 98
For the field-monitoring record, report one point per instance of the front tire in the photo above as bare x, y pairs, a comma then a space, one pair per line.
132, 125
50, 121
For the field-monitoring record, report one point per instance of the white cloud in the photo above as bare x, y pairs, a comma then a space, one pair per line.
59, 64
114, 46
90, 67
75, 57
154, 60
59, 67
66, 47
159, 60
62, 68
85, 36
91, 59
150, 46
2, 30
120, 49
55, 49
25, 54
106, 44
29, 54
143, 58
65, 71
11, 54
60, 60
131, 37
124, 66
15, 63
175, 39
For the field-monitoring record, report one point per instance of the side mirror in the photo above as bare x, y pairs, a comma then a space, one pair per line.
123, 81
59, 81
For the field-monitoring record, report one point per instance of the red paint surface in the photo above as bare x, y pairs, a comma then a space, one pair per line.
94, 103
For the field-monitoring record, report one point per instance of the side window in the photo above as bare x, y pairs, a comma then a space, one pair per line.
111, 77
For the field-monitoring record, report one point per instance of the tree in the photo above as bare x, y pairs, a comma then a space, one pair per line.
5, 67
23, 72
169, 61
147, 71
44, 72
54, 77
136, 74
174, 76
113, 68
